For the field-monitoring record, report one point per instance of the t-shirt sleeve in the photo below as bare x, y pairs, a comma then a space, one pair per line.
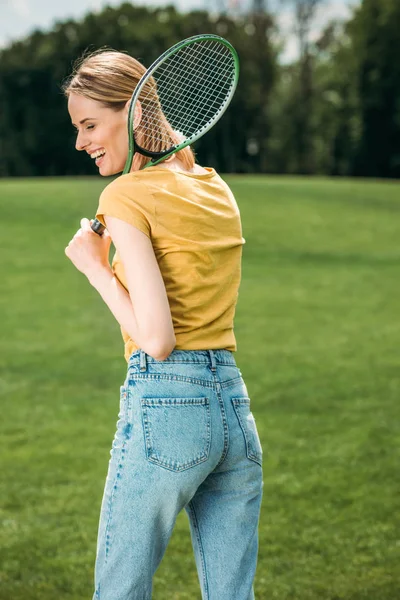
128, 201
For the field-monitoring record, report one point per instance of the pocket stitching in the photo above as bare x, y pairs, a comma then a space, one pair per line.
151, 454
255, 456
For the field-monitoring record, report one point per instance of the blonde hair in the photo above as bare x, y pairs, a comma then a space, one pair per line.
110, 77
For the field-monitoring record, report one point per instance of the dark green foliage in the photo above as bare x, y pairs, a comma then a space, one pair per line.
376, 34
336, 111
36, 135
353, 124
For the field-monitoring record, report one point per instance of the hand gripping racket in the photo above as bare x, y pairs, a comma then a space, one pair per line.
195, 81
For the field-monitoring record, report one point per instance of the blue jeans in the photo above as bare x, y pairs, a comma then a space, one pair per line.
186, 438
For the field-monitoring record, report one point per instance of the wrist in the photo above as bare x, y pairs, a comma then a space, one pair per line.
102, 274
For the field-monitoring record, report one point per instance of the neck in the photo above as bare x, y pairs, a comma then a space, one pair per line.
174, 164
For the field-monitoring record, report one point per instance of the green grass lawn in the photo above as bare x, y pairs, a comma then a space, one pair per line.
318, 332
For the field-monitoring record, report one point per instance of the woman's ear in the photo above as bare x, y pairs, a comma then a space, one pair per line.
138, 115
138, 112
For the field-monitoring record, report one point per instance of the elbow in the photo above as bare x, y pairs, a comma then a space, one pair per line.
162, 351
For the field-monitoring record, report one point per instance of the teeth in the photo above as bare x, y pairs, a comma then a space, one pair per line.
97, 154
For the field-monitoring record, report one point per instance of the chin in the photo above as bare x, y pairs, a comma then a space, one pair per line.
105, 171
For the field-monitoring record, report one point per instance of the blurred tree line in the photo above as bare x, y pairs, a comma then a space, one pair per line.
334, 111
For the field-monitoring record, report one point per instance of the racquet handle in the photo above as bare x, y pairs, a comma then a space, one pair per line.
97, 227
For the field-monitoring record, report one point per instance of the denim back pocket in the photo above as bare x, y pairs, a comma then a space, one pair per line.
177, 431
247, 423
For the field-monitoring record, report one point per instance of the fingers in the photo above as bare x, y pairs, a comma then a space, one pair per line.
85, 224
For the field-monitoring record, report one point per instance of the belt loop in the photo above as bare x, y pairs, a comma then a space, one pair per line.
143, 362
213, 361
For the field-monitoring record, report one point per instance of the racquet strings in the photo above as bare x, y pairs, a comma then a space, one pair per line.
185, 94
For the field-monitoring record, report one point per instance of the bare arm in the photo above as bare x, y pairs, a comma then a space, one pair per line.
144, 312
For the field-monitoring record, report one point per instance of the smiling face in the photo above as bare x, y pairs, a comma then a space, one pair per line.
100, 130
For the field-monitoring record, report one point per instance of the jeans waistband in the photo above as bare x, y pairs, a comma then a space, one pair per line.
210, 357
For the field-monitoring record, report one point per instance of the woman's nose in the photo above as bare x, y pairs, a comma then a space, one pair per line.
80, 142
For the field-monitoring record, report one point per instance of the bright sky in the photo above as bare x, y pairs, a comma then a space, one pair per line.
19, 17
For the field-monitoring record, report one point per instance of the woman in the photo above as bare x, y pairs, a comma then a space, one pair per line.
186, 437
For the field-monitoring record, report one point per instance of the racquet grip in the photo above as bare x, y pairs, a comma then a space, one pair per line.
97, 227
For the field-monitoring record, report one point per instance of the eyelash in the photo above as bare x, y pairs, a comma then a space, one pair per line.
88, 127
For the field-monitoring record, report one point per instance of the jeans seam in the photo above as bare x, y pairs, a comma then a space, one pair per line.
136, 363
117, 477
133, 377
202, 557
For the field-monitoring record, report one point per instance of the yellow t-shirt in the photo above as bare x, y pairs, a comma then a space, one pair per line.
194, 225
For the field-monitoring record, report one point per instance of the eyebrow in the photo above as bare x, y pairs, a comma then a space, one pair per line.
83, 120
